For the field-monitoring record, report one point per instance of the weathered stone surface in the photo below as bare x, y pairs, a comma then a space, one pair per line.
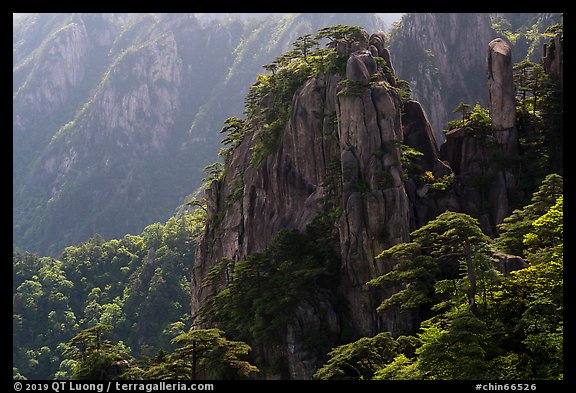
378, 39
418, 133
341, 146
312, 317
501, 85
378, 42
443, 59
361, 65
473, 163
344, 145
553, 57
506, 263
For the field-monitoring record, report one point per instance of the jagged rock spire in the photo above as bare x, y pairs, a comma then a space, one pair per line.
501, 85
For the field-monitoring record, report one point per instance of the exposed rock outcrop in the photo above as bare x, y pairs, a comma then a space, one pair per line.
443, 60
506, 263
491, 156
341, 144
502, 95
553, 57
342, 151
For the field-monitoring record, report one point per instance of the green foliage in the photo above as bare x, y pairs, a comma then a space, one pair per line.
342, 33
138, 284
529, 305
351, 88
516, 226
95, 357
453, 348
547, 230
235, 129
420, 271
359, 359
436, 252
401, 368
404, 90
199, 354
264, 288
410, 160
477, 121
268, 104
440, 184
465, 109
539, 98
514, 332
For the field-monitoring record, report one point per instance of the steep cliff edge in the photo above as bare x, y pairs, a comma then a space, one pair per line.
115, 115
334, 164
339, 156
443, 59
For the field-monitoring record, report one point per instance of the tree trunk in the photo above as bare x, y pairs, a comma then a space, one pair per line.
472, 278
194, 360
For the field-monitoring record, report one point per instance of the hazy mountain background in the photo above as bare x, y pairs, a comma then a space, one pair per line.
115, 115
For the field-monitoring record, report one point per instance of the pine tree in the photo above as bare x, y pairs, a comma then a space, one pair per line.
96, 357
436, 249
519, 223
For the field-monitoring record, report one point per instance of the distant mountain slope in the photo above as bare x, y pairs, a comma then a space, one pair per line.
442, 55
115, 115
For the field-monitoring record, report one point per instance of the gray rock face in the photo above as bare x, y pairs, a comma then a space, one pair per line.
375, 204
139, 99
343, 143
419, 137
553, 57
501, 85
361, 65
444, 60
474, 159
336, 144
506, 263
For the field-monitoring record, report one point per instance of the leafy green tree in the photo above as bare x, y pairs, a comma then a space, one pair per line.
547, 230
344, 33
95, 356
210, 350
540, 121
435, 252
516, 226
234, 129
453, 347
303, 46
401, 368
522, 71
199, 354
465, 109
263, 289
360, 359
138, 284
528, 306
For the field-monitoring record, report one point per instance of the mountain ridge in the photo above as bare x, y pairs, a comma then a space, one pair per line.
131, 91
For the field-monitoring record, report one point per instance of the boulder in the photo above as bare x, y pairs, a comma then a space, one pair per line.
360, 67
506, 263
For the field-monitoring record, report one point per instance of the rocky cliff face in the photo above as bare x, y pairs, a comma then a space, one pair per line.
486, 163
444, 61
115, 115
341, 144
347, 152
